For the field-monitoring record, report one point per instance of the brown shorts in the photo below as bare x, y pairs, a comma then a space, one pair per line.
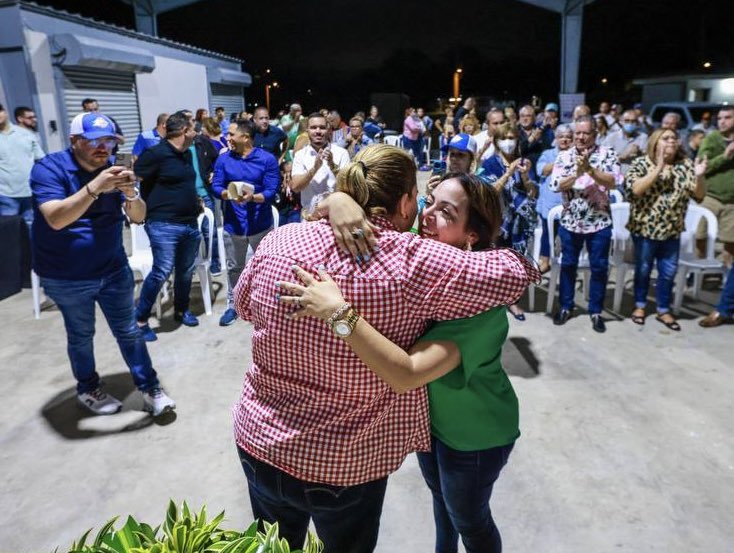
724, 214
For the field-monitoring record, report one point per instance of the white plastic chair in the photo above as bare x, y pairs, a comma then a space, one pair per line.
555, 261
688, 262
534, 247
427, 149
141, 261
616, 196
36, 289
204, 258
394, 140
620, 239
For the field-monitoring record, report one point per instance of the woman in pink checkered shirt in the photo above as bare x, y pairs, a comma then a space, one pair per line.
473, 408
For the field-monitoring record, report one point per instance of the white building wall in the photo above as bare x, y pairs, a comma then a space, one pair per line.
722, 89
172, 85
39, 54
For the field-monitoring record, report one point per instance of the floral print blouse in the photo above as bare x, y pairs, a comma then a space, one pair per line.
586, 205
659, 214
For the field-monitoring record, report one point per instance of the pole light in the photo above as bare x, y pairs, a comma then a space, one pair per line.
457, 78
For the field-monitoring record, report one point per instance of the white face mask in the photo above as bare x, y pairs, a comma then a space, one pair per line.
507, 145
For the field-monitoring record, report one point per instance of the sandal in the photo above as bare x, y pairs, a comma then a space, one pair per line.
638, 319
672, 325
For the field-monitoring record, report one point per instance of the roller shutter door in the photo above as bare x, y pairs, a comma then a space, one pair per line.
230, 97
115, 93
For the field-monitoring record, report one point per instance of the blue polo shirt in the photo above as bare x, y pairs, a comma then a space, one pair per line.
260, 169
270, 139
90, 247
145, 140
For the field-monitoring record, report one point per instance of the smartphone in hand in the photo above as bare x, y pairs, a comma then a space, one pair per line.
124, 160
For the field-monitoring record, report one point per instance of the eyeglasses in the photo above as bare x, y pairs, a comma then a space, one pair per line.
108, 143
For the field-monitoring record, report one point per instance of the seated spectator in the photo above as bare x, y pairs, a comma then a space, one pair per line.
514, 179
356, 139
339, 129
705, 124
548, 199
659, 186
692, 145
375, 118
629, 142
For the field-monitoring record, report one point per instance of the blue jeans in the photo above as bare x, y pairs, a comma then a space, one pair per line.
461, 483
665, 252
173, 245
209, 202
726, 303
347, 518
114, 293
415, 146
17, 206
597, 244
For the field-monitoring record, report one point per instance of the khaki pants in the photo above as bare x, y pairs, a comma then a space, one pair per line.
236, 248
724, 214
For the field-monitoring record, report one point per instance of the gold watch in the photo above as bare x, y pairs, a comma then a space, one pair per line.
344, 326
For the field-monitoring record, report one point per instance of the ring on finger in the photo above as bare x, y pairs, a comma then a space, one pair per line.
358, 233
298, 301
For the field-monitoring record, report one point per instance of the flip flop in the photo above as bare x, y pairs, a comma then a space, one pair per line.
638, 319
672, 325
518, 316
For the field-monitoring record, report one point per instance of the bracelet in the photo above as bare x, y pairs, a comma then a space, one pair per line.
135, 197
338, 313
95, 196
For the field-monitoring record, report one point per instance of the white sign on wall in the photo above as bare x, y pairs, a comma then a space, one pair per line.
568, 102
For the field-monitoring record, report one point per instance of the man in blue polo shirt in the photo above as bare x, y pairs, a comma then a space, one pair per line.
78, 253
268, 137
249, 218
148, 139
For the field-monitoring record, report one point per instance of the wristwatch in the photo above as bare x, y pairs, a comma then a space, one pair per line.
344, 326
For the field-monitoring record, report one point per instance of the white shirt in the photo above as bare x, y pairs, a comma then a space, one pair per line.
481, 139
324, 181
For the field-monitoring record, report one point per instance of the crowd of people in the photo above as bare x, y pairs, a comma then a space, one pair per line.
404, 353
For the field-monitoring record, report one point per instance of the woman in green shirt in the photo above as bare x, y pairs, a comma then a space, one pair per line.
473, 408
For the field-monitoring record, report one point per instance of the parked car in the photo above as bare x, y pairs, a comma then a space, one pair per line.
690, 112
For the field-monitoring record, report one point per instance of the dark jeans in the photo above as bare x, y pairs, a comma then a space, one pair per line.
17, 206
461, 483
597, 244
76, 301
665, 252
545, 241
173, 245
415, 146
726, 303
347, 518
209, 202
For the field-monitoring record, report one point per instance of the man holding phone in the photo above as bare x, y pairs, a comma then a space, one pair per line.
78, 253
248, 217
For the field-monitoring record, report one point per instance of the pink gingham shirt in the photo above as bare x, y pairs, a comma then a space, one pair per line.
309, 406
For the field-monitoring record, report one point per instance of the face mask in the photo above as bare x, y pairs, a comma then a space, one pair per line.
507, 145
629, 128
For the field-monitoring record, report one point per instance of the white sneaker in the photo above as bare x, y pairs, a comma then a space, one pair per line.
99, 402
157, 402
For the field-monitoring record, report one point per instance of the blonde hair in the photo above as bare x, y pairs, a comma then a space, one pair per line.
470, 119
652, 145
377, 178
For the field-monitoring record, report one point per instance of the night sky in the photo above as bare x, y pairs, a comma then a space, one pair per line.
342, 50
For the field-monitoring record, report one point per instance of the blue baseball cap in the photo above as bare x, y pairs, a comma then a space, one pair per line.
552, 107
462, 142
92, 125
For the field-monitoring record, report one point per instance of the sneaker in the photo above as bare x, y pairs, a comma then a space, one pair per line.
157, 402
215, 268
228, 317
562, 317
99, 402
186, 318
148, 333
597, 323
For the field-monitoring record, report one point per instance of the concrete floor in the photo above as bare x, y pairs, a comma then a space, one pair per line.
627, 443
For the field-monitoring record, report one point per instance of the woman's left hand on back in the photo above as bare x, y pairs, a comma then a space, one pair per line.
317, 297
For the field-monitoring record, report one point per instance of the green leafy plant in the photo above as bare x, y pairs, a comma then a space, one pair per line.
186, 531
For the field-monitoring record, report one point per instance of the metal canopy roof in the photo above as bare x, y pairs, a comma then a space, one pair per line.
572, 14
146, 12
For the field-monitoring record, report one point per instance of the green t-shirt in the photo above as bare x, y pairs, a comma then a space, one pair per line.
474, 407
